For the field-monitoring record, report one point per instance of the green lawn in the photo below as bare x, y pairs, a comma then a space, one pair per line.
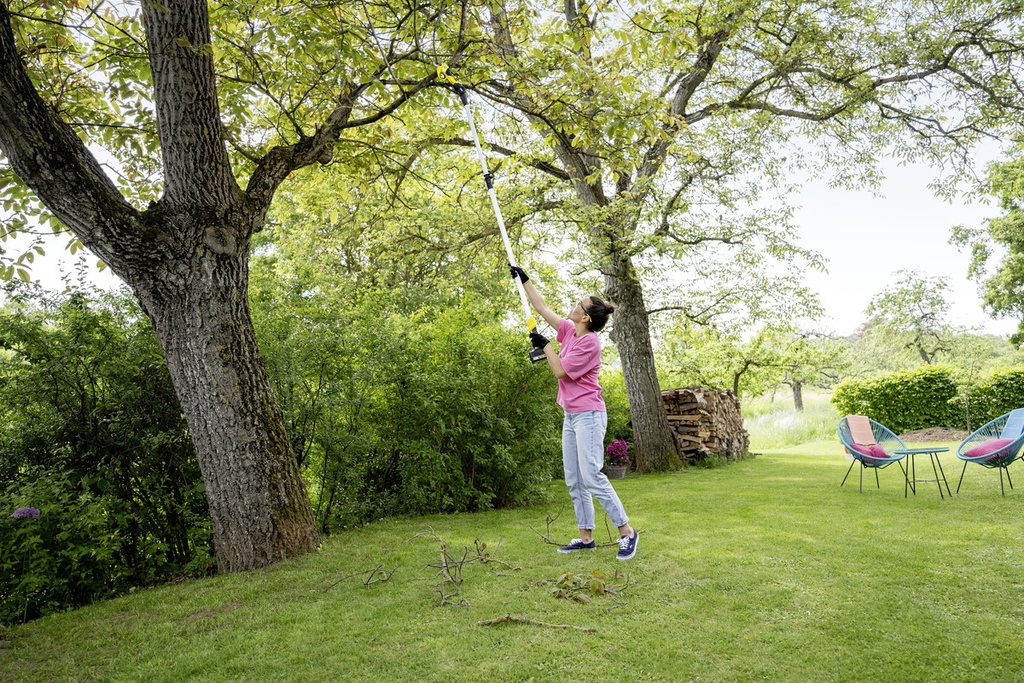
762, 570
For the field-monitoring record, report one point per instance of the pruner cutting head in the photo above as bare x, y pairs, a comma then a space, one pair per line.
444, 75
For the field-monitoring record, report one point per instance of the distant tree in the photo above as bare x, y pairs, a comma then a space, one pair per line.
809, 359
713, 356
913, 312
731, 357
870, 352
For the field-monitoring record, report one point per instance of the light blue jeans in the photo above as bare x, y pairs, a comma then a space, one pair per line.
582, 459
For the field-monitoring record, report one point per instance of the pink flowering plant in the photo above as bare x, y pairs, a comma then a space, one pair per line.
617, 453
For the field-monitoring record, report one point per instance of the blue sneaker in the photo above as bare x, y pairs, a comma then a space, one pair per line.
627, 546
577, 544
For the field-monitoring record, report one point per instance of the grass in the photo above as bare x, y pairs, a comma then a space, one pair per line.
773, 422
762, 570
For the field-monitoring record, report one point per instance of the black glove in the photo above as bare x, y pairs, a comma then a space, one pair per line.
516, 270
539, 340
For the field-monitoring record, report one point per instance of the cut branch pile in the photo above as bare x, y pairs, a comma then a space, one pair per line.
706, 422
449, 568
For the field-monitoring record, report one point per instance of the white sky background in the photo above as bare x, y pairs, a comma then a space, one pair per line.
865, 236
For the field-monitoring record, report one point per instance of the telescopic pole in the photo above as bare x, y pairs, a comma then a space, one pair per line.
531, 324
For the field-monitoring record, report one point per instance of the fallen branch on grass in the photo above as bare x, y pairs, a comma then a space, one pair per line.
376, 575
523, 620
450, 570
450, 567
486, 557
579, 588
549, 520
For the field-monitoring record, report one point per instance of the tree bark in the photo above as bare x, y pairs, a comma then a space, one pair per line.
654, 444
798, 394
258, 502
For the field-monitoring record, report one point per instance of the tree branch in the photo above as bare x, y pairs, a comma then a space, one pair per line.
197, 170
46, 155
542, 166
282, 160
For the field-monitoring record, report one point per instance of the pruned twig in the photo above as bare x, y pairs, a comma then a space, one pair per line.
549, 520
370, 579
579, 588
449, 569
486, 557
508, 618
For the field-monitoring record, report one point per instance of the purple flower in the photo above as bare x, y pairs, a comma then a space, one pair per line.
26, 513
617, 453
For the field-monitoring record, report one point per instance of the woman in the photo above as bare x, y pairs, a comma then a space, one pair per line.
576, 366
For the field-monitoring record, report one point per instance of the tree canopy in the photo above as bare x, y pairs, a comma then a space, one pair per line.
997, 250
913, 310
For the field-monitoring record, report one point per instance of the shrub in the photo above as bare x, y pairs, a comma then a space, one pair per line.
409, 403
904, 401
90, 422
65, 557
997, 395
613, 385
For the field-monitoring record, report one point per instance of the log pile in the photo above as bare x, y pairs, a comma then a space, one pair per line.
706, 422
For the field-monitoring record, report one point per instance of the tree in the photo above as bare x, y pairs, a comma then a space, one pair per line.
913, 311
661, 118
160, 96
810, 359
776, 354
720, 357
1002, 288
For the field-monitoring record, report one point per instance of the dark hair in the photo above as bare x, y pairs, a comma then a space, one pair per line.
598, 311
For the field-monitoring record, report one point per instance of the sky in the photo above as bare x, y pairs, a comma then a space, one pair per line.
865, 237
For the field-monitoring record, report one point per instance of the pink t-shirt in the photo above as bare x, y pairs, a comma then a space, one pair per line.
581, 360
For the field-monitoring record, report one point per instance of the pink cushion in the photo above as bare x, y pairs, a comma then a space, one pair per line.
875, 451
987, 447
860, 430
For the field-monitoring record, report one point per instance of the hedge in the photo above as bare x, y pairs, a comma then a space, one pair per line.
904, 401
996, 395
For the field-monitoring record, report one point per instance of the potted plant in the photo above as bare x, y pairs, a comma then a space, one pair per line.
616, 458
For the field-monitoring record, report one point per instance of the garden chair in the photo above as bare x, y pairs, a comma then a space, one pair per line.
997, 444
872, 445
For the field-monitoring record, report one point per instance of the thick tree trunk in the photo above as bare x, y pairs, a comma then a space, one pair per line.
654, 444
257, 499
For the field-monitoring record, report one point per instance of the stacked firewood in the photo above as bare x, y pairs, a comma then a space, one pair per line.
706, 422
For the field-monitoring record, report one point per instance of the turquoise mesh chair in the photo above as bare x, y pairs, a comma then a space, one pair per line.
883, 437
997, 444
